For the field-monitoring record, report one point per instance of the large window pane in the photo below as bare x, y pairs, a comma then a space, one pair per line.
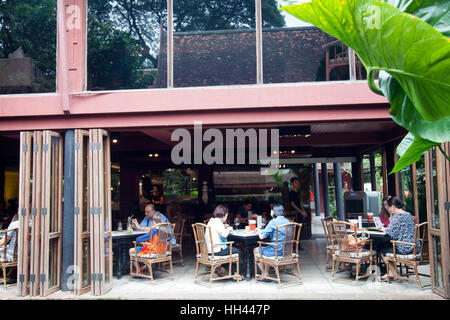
437, 265
214, 42
124, 43
27, 46
295, 51
406, 189
434, 191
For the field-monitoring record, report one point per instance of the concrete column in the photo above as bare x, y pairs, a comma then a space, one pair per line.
326, 197
357, 178
129, 189
373, 176
390, 163
316, 189
68, 215
338, 191
2, 181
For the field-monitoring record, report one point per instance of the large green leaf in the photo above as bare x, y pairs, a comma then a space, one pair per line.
437, 14
411, 149
404, 113
409, 49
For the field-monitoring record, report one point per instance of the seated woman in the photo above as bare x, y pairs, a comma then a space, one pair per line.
384, 215
401, 228
270, 230
219, 234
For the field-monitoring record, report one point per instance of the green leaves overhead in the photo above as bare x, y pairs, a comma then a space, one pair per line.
413, 55
410, 150
412, 51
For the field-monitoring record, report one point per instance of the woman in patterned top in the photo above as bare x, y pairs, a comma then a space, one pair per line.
401, 228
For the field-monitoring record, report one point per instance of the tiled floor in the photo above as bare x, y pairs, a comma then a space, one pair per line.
317, 284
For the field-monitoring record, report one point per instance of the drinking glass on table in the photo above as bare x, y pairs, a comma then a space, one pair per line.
237, 222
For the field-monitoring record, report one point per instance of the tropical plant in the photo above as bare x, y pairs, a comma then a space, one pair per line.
407, 41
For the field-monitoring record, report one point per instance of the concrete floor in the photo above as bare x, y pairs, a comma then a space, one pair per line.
317, 283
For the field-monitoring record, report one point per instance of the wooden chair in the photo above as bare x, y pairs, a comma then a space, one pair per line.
8, 261
211, 260
163, 254
178, 234
330, 243
349, 253
410, 260
290, 256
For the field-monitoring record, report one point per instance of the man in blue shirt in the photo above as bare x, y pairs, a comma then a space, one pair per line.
146, 223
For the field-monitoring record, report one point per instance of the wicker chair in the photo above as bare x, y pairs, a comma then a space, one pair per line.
330, 244
161, 256
178, 234
290, 245
348, 253
410, 260
210, 260
8, 262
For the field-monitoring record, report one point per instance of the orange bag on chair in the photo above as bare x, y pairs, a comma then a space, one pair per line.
153, 247
352, 243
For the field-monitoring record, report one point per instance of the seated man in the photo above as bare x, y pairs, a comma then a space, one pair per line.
10, 238
156, 219
244, 209
146, 223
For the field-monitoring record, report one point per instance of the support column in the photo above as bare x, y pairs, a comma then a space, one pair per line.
338, 191
326, 197
68, 214
2, 181
390, 163
373, 176
129, 190
357, 175
316, 189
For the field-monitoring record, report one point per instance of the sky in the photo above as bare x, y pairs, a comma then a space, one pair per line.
292, 21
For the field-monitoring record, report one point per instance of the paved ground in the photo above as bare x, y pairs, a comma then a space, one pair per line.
317, 284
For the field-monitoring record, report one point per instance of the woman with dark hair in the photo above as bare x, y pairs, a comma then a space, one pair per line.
219, 234
279, 219
401, 228
384, 215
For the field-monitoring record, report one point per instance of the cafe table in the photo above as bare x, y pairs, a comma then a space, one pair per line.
123, 240
248, 240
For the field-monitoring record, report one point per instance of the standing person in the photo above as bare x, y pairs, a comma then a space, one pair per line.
295, 203
219, 234
401, 228
157, 197
244, 209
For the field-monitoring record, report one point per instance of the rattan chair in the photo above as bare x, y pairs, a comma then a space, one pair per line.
348, 253
163, 254
290, 256
178, 234
330, 245
410, 260
211, 260
6, 261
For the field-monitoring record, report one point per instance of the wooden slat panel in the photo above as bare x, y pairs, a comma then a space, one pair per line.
36, 213
24, 206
